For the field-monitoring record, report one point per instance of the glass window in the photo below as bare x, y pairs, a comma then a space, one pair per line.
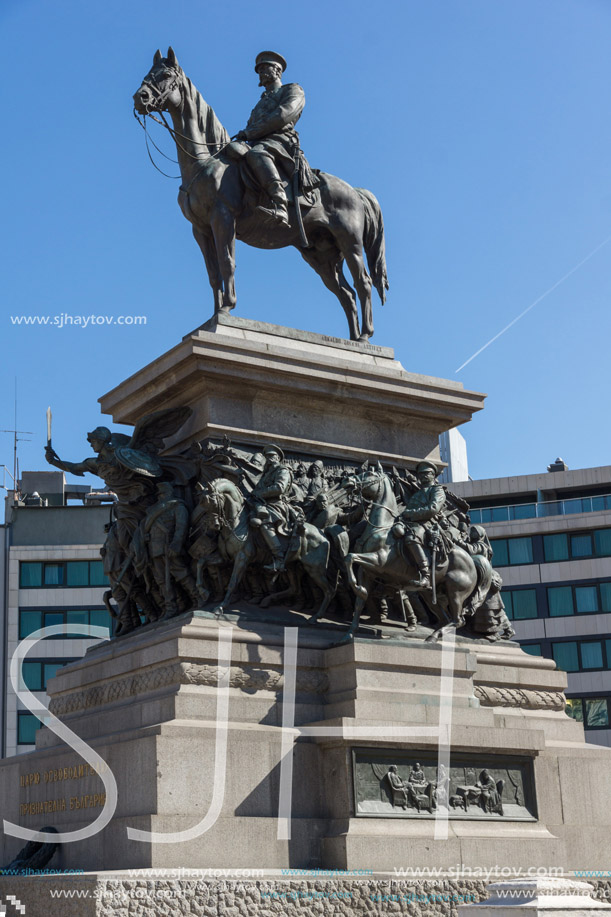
30, 574
565, 655
581, 545
507, 598
574, 708
27, 724
533, 649
96, 573
77, 573
524, 603
555, 547
77, 617
32, 676
101, 618
602, 542
608, 651
500, 514
586, 599
29, 621
54, 575
524, 511
560, 601
50, 668
575, 506
597, 713
592, 655
54, 617
475, 516
605, 596
520, 550
499, 548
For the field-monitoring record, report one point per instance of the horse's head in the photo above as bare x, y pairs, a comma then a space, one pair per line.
367, 482
160, 88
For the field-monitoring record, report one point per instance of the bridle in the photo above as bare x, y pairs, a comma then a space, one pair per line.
160, 96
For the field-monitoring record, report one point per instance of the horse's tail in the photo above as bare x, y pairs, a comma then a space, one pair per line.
373, 241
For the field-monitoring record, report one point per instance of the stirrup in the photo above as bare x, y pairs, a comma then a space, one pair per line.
279, 213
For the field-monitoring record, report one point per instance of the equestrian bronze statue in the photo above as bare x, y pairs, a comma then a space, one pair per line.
260, 189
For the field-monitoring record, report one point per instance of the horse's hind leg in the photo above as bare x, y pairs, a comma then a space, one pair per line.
208, 250
325, 265
362, 284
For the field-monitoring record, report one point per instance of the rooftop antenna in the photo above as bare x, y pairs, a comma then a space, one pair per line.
17, 437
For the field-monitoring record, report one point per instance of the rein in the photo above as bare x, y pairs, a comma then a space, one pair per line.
371, 504
160, 98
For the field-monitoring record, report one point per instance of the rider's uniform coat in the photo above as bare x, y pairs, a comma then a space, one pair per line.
422, 510
271, 126
272, 490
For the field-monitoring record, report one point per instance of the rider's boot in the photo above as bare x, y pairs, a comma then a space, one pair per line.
421, 561
273, 543
278, 212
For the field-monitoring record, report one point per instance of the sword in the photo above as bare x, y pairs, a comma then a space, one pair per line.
434, 548
49, 418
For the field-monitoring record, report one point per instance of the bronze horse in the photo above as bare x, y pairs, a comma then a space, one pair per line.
464, 581
342, 222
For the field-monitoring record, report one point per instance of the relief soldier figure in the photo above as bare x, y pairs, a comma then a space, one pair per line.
422, 511
272, 513
164, 532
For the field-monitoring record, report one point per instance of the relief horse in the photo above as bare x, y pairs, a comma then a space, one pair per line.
343, 225
463, 581
226, 506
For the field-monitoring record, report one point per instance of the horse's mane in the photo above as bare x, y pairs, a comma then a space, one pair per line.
210, 128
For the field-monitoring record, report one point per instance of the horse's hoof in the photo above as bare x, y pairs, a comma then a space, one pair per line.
312, 621
266, 602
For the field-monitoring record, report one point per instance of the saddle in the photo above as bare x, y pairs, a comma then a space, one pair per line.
253, 193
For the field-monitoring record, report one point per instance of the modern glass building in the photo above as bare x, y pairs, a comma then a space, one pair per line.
52, 574
551, 535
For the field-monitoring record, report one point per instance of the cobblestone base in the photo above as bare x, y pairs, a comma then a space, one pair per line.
116, 895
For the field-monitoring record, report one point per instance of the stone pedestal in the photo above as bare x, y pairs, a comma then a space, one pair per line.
308, 393
147, 703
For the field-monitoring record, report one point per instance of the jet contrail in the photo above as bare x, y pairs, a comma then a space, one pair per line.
533, 304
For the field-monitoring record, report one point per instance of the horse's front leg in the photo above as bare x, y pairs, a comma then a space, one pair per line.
242, 560
358, 608
208, 250
373, 561
223, 228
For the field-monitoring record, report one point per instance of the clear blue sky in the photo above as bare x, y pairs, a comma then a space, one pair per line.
482, 127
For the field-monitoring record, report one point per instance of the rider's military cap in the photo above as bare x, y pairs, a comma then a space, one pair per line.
427, 466
273, 448
269, 57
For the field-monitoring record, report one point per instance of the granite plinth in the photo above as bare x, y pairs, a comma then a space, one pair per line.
147, 703
310, 393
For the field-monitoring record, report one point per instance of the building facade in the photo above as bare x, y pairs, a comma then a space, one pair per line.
52, 575
551, 536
